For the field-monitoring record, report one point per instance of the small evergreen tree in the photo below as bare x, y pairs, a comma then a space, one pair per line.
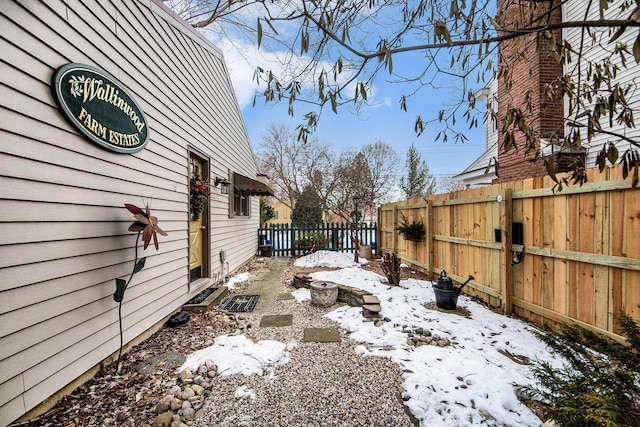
266, 211
418, 182
308, 209
599, 385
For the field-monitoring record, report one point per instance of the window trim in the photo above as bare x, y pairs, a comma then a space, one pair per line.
239, 200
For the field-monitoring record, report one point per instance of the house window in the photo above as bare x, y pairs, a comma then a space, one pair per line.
240, 203
243, 188
276, 215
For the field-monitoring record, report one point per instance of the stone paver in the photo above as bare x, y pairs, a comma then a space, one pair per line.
267, 285
276, 320
370, 299
321, 335
285, 296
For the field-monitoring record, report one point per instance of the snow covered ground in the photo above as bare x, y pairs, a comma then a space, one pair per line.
470, 382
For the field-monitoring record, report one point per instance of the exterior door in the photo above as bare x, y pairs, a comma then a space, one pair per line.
198, 234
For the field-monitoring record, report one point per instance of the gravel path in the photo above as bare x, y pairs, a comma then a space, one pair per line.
324, 384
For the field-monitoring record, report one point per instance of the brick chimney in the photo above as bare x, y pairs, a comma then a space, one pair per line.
531, 70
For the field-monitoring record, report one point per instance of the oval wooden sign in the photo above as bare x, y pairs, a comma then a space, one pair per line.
100, 107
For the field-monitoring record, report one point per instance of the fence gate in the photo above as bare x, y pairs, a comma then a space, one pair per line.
284, 239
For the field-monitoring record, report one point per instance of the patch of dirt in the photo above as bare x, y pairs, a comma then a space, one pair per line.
129, 398
405, 272
460, 311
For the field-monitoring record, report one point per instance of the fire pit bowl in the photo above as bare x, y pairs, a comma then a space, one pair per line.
323, 294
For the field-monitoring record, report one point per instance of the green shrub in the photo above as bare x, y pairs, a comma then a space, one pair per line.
599, 384
312, 242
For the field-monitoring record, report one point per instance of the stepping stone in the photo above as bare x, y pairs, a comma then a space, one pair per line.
321, 335
285, 296
372, 307
276, 320
371, 311
370, 299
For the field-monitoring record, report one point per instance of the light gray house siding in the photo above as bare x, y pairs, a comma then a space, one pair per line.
63, 226
594, 53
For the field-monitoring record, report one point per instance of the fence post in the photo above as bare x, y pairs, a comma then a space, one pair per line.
378, 233
429, 236
506, 224
270, 234
293, 240
394, 235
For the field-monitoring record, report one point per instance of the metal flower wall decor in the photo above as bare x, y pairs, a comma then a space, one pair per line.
146, 225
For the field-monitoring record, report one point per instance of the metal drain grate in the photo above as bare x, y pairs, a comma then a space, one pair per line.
239, 303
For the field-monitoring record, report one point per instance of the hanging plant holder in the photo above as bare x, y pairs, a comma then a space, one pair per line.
413, 231
413, 237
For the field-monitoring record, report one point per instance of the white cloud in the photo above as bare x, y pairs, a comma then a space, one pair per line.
243, 58
240, 58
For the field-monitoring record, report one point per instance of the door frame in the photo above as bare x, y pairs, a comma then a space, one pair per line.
206, 218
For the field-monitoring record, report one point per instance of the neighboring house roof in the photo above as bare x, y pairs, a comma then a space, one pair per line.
475, 174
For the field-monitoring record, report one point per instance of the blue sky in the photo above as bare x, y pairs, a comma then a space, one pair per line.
384, 120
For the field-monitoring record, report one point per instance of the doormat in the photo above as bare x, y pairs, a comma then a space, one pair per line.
239, 303
201, 296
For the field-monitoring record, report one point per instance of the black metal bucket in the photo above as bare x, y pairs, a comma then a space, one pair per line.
447, 299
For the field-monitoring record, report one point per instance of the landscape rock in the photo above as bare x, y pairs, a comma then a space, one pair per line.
187, 393
443, 343
162, 407
175, 391
189, 414
163, 420
486, 415
186, 376
176, 404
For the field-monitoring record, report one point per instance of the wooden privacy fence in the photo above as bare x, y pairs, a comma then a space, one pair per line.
283, 237
581, 246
